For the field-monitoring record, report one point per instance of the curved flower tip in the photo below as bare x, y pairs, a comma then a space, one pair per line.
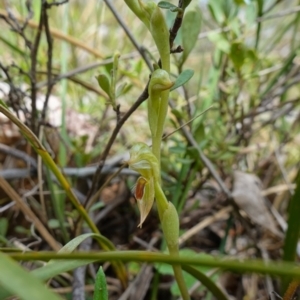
160, 81
143, 161
144, 195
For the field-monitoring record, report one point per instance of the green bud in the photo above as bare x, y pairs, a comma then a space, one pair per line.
170, 227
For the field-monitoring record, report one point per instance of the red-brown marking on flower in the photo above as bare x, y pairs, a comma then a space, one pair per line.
139, 189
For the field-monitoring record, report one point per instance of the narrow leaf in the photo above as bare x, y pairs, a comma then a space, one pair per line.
191, 27
16, 280
104, 83
100, 292
183, 77
167, 5
293, 231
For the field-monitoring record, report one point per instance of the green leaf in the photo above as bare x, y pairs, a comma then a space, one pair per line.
168, 5
104, 83
100, 292
220, 41
13, 47
122, 89
183, 77
293, 231
178, 113
238, 54
191, 27
186, 3
55, 267
199, 132
17, 281
3, 226
216, 11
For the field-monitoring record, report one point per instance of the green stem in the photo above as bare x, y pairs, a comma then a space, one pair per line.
180, 281
170, 225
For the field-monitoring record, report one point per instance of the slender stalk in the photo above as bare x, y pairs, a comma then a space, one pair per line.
171, 232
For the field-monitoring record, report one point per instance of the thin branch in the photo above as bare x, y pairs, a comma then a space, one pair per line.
281, 14
176, 25
33, 56
49, 5
49, 61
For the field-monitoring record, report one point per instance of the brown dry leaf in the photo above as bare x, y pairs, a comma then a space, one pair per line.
247, 194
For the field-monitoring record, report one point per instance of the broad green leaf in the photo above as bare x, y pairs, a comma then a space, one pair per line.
100, 292
104, 83
21, 283
183, 77
191, 26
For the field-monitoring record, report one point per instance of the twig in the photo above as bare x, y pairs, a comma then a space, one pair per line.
11, 20
30, 214
57, 3
33, 56
49, 61
176, 25
98, 193
18, 154
188, 122
281, 14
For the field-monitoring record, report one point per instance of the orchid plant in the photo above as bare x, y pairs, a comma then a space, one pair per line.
144, 160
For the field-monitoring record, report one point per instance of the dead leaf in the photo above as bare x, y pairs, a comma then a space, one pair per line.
247, 195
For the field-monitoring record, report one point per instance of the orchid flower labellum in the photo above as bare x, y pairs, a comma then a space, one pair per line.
145, 163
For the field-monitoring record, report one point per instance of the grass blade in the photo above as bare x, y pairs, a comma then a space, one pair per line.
16, 280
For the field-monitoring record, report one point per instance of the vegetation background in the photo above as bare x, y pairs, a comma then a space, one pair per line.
230, 171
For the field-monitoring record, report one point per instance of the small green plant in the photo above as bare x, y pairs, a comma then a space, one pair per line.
142, 159
100, 292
